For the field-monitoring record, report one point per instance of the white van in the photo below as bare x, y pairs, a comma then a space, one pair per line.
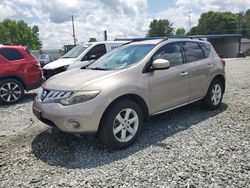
80, 56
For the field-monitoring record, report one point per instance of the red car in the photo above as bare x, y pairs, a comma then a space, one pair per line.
19, 71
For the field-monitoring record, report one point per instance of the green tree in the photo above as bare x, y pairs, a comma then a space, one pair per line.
216, 23
194, 31
160, 28
180, 32
92, 40
246, 24
19, 33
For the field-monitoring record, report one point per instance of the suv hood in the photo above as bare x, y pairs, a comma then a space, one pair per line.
59, 63
76, 79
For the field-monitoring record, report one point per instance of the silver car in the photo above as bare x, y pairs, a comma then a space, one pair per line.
115, 94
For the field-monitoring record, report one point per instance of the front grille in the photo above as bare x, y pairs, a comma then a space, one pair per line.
47, 95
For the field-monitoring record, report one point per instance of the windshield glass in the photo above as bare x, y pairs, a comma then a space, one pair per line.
76, 51
122, 57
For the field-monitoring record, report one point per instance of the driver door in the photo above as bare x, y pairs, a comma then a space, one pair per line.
169, 88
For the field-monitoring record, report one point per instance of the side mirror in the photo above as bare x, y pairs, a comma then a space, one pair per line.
160, 64
92, 57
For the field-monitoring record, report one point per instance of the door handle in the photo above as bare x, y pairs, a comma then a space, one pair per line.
184, 73
210, 66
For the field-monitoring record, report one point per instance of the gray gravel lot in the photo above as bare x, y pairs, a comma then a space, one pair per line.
187, 147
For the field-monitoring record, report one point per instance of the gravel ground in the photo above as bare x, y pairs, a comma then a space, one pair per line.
187, 147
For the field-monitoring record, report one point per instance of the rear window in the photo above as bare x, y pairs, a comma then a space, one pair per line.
206, 48
11, 54
192, 51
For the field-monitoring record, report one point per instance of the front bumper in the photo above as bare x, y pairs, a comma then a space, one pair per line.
87, 114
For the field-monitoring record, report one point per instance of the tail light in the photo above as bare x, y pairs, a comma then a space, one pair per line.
223, 62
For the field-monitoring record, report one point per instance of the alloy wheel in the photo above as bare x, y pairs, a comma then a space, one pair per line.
216, 94
125, 125
10, 92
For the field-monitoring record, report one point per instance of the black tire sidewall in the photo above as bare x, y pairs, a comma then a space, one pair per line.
16, 82
208, 99
107, 124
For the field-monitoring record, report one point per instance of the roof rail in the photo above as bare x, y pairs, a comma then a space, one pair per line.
138, 39
153, 38
178, 37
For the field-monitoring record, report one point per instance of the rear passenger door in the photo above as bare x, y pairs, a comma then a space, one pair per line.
198, 69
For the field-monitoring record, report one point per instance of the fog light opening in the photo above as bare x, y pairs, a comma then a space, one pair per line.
73, 124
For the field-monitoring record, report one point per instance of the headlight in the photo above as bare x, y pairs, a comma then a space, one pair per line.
79, 97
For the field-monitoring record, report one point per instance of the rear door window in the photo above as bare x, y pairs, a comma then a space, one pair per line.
11, 54
192, 51
171, 52
206, 48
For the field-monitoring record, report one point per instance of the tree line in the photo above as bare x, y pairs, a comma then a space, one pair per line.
14, 32
209, 23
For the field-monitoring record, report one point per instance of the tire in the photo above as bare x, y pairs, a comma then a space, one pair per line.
11, 91
214, 95
116, 131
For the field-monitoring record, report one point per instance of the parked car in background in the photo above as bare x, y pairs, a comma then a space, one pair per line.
80, 56
19, 71
44, 59
116, 93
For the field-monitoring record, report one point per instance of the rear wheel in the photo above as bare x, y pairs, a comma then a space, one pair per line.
214, 95
11, 91
121, 125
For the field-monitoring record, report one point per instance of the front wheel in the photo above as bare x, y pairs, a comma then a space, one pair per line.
121, 124
11, 91
214, 95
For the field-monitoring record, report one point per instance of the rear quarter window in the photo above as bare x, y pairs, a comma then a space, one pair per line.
206, 48
11, 54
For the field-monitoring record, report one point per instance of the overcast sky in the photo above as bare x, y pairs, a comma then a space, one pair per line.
121, 18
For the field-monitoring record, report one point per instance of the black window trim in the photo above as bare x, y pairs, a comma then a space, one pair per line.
203, 50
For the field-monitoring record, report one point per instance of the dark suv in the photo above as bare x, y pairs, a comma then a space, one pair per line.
19, 71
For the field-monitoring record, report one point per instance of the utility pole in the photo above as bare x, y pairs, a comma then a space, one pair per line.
105, 35
189, 16
73, 26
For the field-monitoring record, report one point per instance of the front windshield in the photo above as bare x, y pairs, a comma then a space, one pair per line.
76, 51
122, 58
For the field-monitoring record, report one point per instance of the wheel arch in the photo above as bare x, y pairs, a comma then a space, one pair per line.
14, 78
133, 97
222, 79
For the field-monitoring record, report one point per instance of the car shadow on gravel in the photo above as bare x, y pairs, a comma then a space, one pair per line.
69, 151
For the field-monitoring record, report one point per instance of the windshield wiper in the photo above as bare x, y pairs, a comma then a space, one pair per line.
97, 68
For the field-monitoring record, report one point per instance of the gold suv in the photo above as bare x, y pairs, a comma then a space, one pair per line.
114, 95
